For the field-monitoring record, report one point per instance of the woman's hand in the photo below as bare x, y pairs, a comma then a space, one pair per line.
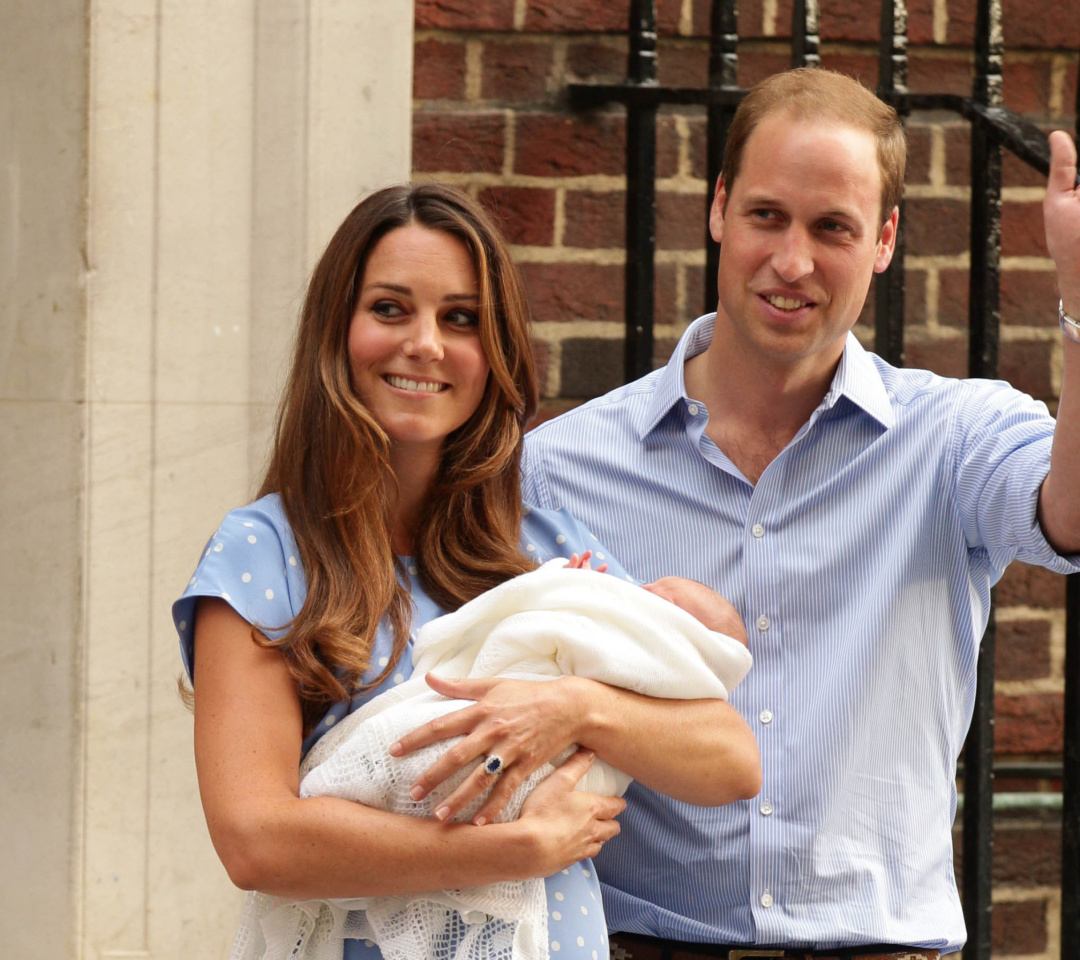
569, 824
524, 723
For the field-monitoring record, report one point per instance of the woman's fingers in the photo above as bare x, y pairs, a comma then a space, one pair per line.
502, 787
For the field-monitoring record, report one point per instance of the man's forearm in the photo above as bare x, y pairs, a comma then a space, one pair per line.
1059, 499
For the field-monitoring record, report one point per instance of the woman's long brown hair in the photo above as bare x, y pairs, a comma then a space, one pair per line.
330, 461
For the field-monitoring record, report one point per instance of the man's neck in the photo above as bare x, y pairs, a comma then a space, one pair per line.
755, 408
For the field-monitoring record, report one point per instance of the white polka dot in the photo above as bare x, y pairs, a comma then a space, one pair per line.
630, 578
369, 943
399, 677
218, 547
412, 570
292, 561
594, 955
529, 547
587, 874
246, 577
560, 539
269, 594
330, 720
192, 581
593, 535
225, 596
383, 661
526, 510
600, 556
559, 896
584, 910
581, 941
248, 523
555, 915
555, 946
207, 552
567, 872
591, 894
183, 624
252, 538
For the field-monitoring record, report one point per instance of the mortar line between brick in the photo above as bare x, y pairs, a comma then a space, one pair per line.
554, 377
474, 51
1020, 688
686, 18
941, 21
937, 158
1057, 647
560, 218
509, 146
933, 298
1059, 68
768, 18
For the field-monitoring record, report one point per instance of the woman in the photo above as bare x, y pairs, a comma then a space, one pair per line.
392, 496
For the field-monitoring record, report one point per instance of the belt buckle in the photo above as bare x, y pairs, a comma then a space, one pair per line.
749, 952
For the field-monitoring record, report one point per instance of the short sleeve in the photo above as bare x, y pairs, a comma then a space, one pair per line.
546, 534
251, 563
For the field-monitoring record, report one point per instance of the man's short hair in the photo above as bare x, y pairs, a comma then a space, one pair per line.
815, 94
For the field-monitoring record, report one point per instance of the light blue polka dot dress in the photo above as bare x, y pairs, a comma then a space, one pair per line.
252, 563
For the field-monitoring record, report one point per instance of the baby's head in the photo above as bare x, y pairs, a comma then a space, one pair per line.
702, 603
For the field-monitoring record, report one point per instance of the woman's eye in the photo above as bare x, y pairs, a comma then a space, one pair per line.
462, 318
386, 309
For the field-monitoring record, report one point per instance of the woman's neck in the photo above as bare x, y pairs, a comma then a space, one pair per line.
412, 476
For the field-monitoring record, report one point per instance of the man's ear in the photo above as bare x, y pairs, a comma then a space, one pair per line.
887, 242
716, 211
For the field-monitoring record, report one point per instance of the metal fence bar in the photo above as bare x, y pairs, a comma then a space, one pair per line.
984, 319
723, 75
640, 195
889, 286
1070, 784
805, 42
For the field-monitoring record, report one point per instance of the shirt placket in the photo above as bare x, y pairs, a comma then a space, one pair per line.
763, 709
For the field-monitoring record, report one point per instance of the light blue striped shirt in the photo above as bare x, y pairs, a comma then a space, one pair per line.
862, 563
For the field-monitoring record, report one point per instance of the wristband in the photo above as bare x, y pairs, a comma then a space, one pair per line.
1069, 325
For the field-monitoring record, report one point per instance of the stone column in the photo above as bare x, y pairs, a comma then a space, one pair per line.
169, 170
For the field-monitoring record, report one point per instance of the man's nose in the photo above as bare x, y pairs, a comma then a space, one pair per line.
793, 258
424, 339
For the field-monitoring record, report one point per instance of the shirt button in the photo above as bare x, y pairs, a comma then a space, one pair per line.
758, 530
766, 899
692, 409
766, 808
763, 623
765, 716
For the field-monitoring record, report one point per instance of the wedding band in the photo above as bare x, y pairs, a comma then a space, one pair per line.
493, 764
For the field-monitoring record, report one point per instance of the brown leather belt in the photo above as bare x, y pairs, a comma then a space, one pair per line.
635, 946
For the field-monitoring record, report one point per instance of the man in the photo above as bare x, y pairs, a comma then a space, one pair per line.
857, 515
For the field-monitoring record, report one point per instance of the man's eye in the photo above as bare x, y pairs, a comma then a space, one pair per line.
832, 226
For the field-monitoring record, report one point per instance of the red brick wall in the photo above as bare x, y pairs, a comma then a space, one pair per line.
491, 115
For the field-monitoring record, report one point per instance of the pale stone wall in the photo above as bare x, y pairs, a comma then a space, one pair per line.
169, 171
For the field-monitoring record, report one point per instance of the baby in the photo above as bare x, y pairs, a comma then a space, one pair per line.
539, 626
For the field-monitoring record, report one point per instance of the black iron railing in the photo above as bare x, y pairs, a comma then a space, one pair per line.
993, 129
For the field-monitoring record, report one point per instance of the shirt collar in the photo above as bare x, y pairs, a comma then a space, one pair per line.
856, 378
671, 386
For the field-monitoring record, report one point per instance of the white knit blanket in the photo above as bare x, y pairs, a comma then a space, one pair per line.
546, 624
